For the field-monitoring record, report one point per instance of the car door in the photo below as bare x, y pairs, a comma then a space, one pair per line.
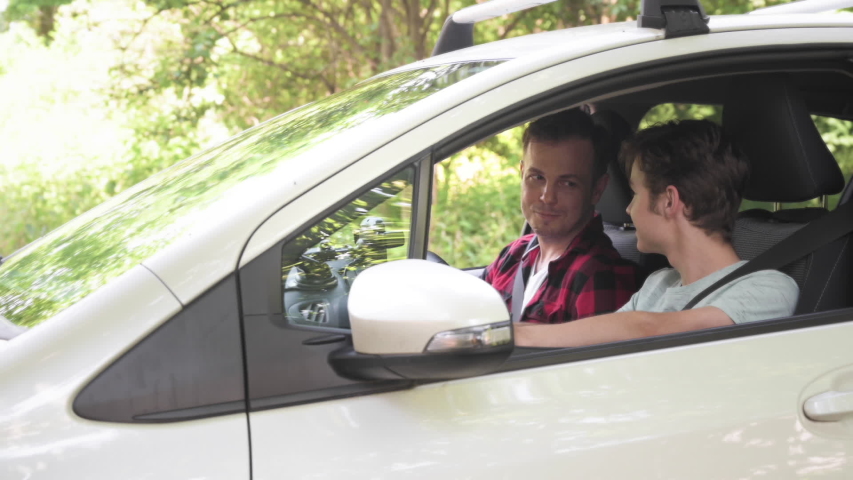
724, 403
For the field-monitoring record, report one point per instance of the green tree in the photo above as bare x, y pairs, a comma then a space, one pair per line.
41, 14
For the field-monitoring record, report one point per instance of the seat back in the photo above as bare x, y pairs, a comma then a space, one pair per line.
789, 163
823, 276
616, 197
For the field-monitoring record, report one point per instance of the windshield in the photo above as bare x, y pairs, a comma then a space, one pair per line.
74, 260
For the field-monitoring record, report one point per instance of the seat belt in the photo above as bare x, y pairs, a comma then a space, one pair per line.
518, 285
804, 241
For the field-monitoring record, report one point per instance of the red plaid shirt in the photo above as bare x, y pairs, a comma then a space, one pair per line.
590, 278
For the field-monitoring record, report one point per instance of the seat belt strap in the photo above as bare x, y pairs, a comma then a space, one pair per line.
804, 241
518, 284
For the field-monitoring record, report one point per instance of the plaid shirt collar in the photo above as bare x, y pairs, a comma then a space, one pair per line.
589, 278
588, 237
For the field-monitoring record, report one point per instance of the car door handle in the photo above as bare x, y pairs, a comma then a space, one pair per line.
829, 406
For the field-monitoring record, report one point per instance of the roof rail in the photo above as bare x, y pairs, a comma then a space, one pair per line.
458, 29
804, 6
677, 18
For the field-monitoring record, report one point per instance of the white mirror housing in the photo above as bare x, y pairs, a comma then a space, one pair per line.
418, 320
399, 307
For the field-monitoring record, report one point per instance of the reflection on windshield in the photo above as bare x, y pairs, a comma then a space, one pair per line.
81, 256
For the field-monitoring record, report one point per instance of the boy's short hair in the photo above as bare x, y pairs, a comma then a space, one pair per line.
568, 124
701, 161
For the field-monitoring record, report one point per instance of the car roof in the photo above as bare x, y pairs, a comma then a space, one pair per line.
553, 41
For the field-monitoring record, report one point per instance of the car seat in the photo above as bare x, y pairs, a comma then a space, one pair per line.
790, 162
616, 197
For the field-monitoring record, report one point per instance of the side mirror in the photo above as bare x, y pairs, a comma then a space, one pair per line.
419, 320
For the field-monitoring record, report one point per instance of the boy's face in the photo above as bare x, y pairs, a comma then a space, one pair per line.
650, 225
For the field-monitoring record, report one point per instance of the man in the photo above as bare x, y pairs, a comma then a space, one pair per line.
688, 180
569, 265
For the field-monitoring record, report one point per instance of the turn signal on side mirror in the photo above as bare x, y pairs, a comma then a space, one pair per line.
471, 338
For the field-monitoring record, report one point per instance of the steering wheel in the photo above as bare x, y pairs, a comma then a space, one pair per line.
432, 257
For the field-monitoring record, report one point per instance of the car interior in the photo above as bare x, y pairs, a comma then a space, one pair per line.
769, 114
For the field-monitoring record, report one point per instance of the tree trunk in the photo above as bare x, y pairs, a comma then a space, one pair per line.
386, 32
46, 22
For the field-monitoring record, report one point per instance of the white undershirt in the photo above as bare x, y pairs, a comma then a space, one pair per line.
536, 280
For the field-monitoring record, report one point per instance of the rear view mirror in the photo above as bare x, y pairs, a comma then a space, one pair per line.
413, 319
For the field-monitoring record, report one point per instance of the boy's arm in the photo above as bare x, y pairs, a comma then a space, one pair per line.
615, 327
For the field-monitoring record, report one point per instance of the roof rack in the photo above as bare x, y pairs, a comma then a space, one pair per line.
677, 18
458, 29
804, 6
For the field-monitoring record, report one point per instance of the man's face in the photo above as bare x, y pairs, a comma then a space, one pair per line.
643, 210
557, 192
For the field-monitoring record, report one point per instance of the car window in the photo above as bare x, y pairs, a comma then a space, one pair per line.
294, 295
476, 201
837, 133
320, 265
76, 259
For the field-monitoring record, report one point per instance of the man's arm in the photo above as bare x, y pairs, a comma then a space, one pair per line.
615, 327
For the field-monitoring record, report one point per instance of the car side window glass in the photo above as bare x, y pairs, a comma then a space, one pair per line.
667, 112
837, 133
320, 265
476, 207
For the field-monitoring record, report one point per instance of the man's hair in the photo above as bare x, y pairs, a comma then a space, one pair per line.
701, 161
570, 124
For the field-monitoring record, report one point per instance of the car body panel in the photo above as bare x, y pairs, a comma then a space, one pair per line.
43, 370
726, 409
538, 43
553, 43
730, 23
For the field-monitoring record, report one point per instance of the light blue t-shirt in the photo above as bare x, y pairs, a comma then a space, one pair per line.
760, 295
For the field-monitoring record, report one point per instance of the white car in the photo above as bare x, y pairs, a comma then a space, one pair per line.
202, 325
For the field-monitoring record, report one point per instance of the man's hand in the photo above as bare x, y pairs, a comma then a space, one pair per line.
615, 327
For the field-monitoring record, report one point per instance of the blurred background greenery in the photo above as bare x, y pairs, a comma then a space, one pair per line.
100, 94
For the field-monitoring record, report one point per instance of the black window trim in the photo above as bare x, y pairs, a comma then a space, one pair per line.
82, 407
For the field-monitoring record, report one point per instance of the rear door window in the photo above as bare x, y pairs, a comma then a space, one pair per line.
837, 133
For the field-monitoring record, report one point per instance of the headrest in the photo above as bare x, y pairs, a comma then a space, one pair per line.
769, 120
617, 196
